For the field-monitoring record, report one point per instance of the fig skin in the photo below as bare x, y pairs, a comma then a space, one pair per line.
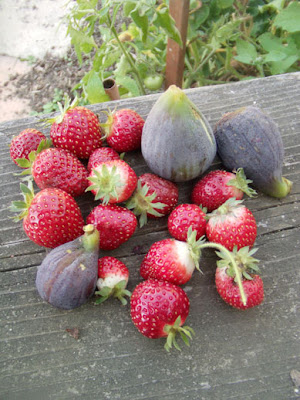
248, 138
68, 275
178, 143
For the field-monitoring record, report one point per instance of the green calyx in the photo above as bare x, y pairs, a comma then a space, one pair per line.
141, 203
90, 238
247, 264
195, 246
106, 126
242, 183
105, 182
119, 291
27, 163
63, 110
21, 207
172, 330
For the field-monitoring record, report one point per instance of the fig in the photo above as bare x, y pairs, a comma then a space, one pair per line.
68, 275
248, 138
178, 143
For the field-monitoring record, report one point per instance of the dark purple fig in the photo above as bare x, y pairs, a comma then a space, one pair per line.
68, 275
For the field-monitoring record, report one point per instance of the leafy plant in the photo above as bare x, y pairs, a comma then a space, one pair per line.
126, 40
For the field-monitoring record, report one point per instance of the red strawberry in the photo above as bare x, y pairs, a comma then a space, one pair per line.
159, 309
24, 143
116, 225
154, 197
56, 167
232, 224
226, 279
101, 155
77, 129
112, 181
172, 260
113, 278
218, 186
184, 216
123, 130
50, 218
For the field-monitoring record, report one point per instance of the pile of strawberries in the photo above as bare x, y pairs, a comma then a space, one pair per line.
79, 162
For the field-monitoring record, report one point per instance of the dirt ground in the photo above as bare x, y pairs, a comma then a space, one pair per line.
35, 57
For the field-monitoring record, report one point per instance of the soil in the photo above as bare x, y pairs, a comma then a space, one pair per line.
39, 83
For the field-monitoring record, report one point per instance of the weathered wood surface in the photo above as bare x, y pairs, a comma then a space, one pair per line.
234, 355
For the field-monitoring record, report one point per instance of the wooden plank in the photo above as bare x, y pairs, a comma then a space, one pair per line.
179, 10
234, 355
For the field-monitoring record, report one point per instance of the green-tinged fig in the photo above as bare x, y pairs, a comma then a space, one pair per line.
177, 141
248, 138
68, 275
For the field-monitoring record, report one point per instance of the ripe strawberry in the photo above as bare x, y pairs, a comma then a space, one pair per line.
123, 130
56, 167
116, 225
50, 218
218, 186
112, 181
154, 197
232, 224
159, 309
252, 283
101, 155
184, 216
113, 278
24, 143
77, 129
172, 260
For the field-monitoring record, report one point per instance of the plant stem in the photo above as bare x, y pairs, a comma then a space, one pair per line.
128, 57
236, 269
190, 78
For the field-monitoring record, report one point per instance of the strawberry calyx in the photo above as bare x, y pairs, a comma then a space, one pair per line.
185, 332
27, 163
242, 183
142, 203
119, 291
21, 207
105, 182
106, 126
195, 246
63, 110
247, 264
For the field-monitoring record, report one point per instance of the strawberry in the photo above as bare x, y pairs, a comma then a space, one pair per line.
172, 260
24, 143
50, 218
76, 129
56, 167
112, 181
159, 309
116, 225
218, 186
112, 279
232, 224
100, 155
123, 130
185, 216
225, 279
154, 197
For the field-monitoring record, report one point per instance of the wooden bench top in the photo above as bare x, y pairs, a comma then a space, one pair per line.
234, 354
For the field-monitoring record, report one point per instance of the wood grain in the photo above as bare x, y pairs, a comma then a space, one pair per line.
234, 355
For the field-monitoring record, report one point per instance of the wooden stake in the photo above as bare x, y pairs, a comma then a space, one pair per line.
179, 9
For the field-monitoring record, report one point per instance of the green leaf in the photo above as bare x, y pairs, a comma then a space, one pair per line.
289, 18
281, 67
246, 51
94, 89
227, 31
270, 42
167, 23
224, 3
128, 7
129, 84
142, 22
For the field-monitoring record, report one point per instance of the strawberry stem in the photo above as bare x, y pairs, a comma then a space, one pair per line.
234, 264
